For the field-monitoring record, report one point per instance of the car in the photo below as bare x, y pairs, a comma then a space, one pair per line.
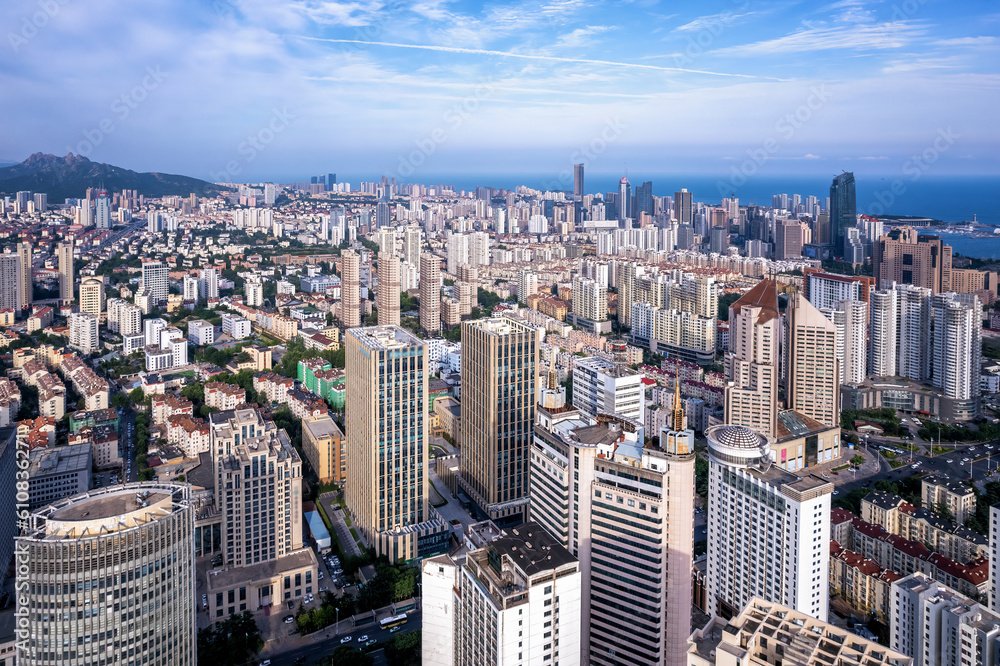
371, 642
914, 466
324, 589
965, 460
204, 601
836, 473
949, 461
826, 476
346, 639
836, 492
266, 662
300, 660
394, 630
363, 638
289, 619
291, 605
320, 575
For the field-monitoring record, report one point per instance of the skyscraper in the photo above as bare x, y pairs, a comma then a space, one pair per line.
92, 295
499, 372
644, 199
209, 283
683, 206
913, 330
154, 278
527, 284
386, 425
148, 529
350, 289
751, 364
411, 245
64, 251
388, 290
903, 256
430, 293
958, 344
190, 284
768, 529
882, 335
103, 215
25, 267
813, 374
788, 239
11, 289
625, 205
843, 208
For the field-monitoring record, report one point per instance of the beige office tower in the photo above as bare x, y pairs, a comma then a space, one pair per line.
24, 258
813, 373
119, 562
386, 424
64, 253
499, 380
387, 298
430, 293
626, 511
350, 292
92, 295
903, 256
751, 364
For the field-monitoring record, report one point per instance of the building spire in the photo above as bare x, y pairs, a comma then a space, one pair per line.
678, 412
553, 384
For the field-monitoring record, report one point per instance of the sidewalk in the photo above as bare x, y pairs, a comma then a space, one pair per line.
340, 528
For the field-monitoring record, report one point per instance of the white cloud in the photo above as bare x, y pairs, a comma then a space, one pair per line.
851, 37
966, 41
581, 36
711, 21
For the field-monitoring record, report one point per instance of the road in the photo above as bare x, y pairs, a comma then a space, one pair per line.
316, 651
126, 447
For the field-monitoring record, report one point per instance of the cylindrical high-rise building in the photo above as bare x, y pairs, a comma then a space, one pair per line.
388, 290
350, 294
107, 574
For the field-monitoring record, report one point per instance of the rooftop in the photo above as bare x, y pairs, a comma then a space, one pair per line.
532, 549
385, 337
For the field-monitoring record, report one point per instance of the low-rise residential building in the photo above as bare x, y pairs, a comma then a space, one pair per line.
10, 402
201, 332
235, 326
323, 444
167, 405
959, 498
862, 583
191, 435
273, 387
224, 396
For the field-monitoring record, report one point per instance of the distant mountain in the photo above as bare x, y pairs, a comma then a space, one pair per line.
70, 176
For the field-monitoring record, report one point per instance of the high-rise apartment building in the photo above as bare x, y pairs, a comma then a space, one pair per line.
411, 245
826, 290
883, 337
751, 364
143, 606
768, 529
11, 290
350, 289
958, 345
509, 597
209, 283
64, 253
92, 295
913, 331
388, 290
386, 425
854, 360
590, 300
843, 208
527, 284
499, 380
625, 510
25, 267
83, 332
102, 219
903, 256
430, 293
601, 386
154, 278
190, 285
937, 626
683, 207
813, 370
254, 293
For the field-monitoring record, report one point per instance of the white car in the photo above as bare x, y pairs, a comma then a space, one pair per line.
363, 638
346, 639
266, 662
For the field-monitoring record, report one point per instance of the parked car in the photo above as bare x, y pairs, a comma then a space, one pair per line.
289, 619
346, 639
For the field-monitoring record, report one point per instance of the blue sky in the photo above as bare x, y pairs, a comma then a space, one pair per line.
260, 89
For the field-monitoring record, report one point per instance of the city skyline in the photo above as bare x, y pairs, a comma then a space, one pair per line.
438, 87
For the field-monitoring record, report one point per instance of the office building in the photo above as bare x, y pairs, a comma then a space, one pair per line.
350, 293
601, 386
882, 333
771, 634
58, 472
387, 372
83, 332
209, 283
154, 278
788, 239
430, 293
813, 370
958, 345
683, 206
64, 253
11, 290
768, 529
144, 606
323, 444
843, 208
507, 597
92, 295
388, 290
499, 379
904, 256
625, 211
937, 626
27, 282
751, 364
625, 510
578, 181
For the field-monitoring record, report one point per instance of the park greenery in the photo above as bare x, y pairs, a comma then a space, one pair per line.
234, 642
884, 417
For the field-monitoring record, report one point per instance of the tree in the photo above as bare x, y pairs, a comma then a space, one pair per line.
403, 649
119, 401
345, 655
235, 641
137, 396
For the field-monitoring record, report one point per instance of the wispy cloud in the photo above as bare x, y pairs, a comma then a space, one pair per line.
711, 21
528, 56
581, 36
849, 37
966, 41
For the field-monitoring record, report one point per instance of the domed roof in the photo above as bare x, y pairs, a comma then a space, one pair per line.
739, 437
